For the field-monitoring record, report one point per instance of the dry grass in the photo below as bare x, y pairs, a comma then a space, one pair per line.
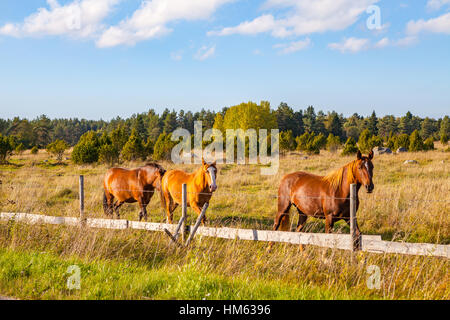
410, 203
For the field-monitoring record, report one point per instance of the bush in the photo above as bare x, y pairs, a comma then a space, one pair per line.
364, 141
391, 141
134, 149
444, 139
333, 143
34, 150
20, 149
428, 144
415, 142
375, 141
310, 143
350, 147
163, 147
320, 141
87, 149
108, 154
402, 141
57, 149
287, 142
6, 148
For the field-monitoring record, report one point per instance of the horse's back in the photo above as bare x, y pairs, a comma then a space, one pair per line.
120, 180
176, 177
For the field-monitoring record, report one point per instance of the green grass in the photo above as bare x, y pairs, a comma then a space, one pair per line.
41, 275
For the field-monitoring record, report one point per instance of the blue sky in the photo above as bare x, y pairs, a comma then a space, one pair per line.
103, 58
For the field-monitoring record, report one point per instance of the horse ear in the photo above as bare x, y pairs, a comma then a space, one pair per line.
214, 163
358, 155
203, 161
371, 155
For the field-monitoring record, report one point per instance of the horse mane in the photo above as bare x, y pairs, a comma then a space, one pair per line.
336, 177
156, 166
153, 164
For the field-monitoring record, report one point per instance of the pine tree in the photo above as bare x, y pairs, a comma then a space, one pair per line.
415, 141
350, 147
372, 124
133, 149
364, 141
333, 143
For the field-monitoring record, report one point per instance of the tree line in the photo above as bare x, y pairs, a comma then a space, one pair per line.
148, 134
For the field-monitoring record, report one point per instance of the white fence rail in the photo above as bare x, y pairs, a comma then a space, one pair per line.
369, 243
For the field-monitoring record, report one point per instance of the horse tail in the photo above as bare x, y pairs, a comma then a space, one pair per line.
105, 203
282, 218
162, 197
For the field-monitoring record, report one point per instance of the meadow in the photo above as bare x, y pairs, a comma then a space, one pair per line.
410, 203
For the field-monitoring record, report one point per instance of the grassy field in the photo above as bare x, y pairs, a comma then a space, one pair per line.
410, 203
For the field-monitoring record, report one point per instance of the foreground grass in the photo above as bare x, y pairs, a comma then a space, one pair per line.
40, 275
143, 265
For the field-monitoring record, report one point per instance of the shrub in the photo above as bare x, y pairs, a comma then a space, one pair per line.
364, 141
20, 149
309, 143
333, 143
391, 141
444, 139
415, 142
350, 147
134, 149
319, 141
34, 150
375, 141
428, 144
6, 148
402, 141
87, 149
57, 149
108, 154
163, 147
287, 142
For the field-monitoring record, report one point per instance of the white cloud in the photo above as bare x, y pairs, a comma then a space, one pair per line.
302, 17
79, 18
383, 43
286, 48
406, 41
177, 56
205, 52
351, 45
437, 4
440, 24
151, 19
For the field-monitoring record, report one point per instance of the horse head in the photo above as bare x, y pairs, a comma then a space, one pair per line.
364, 171
210, 171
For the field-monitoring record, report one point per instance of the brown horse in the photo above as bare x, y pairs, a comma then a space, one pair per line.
323, 197
200, 186
131, 186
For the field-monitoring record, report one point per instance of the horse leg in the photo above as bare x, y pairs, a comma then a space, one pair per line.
143, 205
329, 223
108, 200
281, 219
198, 210
117, 205
300, 225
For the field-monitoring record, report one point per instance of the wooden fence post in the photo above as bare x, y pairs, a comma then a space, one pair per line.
197, 224
356, 243
184, 231
82, 215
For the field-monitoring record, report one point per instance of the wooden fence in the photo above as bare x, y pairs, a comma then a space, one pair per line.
369, 243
